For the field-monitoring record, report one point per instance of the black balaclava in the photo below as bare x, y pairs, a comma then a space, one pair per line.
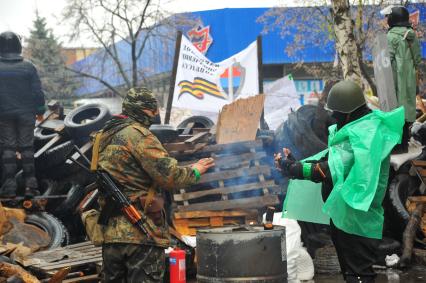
345, 118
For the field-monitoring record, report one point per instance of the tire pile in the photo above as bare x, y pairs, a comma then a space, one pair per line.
58, 176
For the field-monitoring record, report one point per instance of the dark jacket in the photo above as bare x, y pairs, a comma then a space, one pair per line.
20, 88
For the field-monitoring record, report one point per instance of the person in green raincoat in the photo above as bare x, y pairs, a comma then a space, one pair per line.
354, 172
405, 57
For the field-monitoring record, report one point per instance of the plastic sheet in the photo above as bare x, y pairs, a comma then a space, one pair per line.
359, 164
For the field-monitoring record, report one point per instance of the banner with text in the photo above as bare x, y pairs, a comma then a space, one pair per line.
207, 86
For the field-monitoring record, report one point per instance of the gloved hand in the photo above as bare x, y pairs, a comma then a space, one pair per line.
283, 164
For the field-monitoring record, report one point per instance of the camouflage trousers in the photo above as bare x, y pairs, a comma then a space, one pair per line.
131, 263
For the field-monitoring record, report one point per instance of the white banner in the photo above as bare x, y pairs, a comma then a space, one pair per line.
281, 98
206, 86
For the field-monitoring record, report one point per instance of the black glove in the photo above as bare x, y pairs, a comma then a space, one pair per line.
286, 163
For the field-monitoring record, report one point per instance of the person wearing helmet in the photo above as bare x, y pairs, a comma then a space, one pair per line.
405, 57
353, 171
21, 99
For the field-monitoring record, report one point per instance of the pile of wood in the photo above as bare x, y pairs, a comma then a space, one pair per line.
240, 187
74, 263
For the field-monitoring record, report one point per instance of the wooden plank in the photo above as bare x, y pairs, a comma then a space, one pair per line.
83, 150
74, 264
196, 138
65, 256
200, 130
235, 147
47, 146
230, 160
88, 278
76, 256
253, 202
239, 120
209, 213
417, 199
182, 226
188, 128
52, 124
69, 247
230, 174
178, 146
216, 221
420, 163
225, 190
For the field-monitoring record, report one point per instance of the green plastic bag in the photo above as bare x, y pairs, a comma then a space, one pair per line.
303, 200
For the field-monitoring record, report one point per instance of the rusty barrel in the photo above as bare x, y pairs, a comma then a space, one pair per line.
241, 254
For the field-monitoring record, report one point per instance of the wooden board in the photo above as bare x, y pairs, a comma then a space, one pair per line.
270, 184
73, 256
239, 120
230, 174
187, 223
212, 213
251, 202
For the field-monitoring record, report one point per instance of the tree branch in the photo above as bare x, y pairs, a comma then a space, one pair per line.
87, 75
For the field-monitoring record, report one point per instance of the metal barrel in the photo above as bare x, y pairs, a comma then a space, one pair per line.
242, 254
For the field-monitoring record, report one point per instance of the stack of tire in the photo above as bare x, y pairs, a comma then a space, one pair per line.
298, 133
58, 176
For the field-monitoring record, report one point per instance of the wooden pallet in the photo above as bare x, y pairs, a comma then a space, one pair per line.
238, 181
420, 168
187, 223
75, 256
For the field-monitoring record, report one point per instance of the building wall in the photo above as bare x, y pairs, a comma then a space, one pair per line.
73, 55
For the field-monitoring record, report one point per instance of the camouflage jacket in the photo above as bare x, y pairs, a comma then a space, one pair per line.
136, 160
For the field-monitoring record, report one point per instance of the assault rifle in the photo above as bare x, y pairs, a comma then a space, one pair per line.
115, 198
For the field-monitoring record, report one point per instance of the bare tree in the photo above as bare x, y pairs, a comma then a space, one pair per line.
128, 32
351, 25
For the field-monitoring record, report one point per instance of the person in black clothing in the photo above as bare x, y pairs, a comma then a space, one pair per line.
356, 254
21, 99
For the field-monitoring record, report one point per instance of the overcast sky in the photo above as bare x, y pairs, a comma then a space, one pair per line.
18, 15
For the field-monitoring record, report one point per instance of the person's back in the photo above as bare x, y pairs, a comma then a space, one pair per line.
405, 56
21, 99
20, 89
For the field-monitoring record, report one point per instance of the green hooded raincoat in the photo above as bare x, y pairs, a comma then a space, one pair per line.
404, 51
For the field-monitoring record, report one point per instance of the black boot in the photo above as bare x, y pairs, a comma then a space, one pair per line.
31, 184
8, 189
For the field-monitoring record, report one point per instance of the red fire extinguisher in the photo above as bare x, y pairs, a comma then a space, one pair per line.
177, 266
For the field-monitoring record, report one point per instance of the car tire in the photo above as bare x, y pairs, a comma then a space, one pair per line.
199, 122
75, 194
55, 156
97, 114
164, 133
52, 226
42, 134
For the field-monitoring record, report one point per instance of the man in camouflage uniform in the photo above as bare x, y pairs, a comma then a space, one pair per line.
137, 161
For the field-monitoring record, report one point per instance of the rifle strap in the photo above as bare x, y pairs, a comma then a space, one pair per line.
149, 198
95, 151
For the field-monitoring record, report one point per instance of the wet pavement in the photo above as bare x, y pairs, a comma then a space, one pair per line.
415, 274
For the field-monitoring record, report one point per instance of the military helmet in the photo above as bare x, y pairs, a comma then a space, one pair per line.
397, 16
10, 43
345, 97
